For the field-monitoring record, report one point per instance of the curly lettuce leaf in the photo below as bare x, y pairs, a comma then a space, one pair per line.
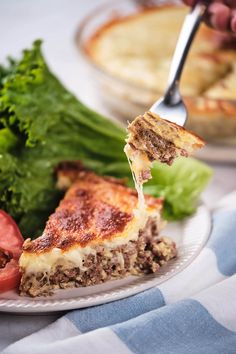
180, 185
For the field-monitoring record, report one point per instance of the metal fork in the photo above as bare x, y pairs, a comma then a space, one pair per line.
171, 105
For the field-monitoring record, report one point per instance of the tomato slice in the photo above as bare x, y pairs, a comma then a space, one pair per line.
10, 236
11, 242
9, 276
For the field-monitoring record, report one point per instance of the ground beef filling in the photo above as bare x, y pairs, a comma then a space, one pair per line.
145, 255
156, 147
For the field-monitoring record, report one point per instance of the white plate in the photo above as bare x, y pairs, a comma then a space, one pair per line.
190, 237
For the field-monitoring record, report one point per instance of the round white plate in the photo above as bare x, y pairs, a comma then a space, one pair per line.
190, 236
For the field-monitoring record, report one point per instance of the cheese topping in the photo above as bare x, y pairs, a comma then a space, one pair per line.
139, 163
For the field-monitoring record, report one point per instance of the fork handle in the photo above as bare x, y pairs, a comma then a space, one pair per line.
187, 34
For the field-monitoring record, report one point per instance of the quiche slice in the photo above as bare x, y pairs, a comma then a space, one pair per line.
152, 138
97, 233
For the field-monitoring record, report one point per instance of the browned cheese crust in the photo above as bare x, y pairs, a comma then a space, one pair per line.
94, 209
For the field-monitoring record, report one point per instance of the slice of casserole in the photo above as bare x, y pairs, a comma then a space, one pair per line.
152, 138
96, 234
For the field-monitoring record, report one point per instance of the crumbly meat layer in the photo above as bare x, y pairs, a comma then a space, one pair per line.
146, 255
158, 148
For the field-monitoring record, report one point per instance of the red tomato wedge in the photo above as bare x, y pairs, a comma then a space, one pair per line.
9, 276
11, 242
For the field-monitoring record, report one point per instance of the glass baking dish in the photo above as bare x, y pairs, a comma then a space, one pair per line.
212, 119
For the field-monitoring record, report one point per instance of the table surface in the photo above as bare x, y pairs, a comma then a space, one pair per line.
55, 21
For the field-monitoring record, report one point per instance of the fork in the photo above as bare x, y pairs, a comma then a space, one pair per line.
171, 105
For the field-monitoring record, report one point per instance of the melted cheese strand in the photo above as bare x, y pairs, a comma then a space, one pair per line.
134, 167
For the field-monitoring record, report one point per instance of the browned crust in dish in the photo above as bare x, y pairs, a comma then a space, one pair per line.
206, 32
212, 118
94, 209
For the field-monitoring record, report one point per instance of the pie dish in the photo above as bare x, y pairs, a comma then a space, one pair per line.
129, 52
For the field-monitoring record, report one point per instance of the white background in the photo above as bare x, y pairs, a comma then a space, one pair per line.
55, 21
